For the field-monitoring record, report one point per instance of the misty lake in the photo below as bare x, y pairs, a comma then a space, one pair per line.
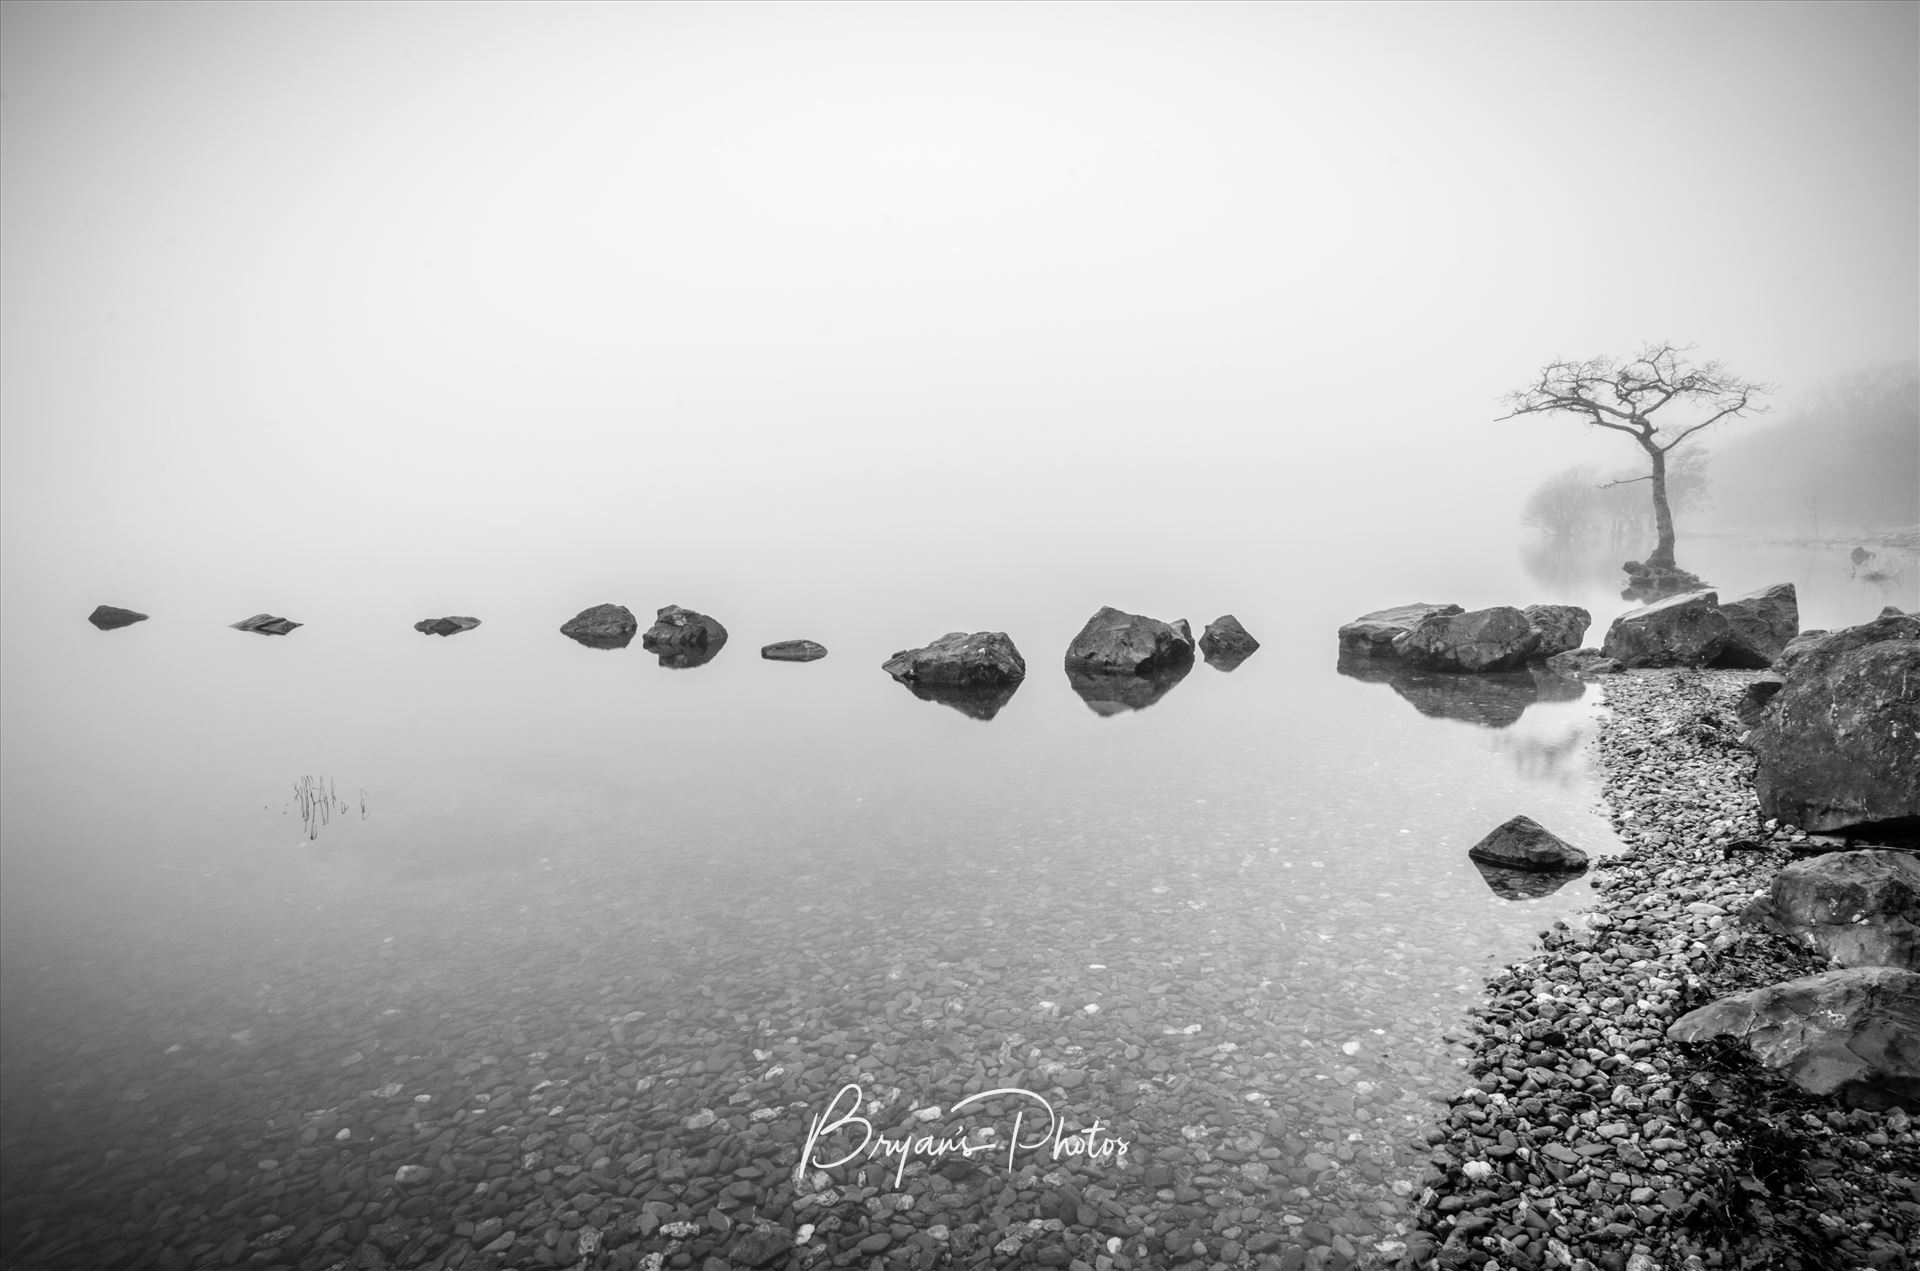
582, 945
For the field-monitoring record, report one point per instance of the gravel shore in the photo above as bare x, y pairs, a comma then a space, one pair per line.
1586, 1138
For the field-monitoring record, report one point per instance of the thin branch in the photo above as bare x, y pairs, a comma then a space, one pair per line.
1625, 481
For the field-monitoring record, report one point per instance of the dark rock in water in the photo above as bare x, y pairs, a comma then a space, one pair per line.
1853, 1033
445, 626
1854, 908
979, 659
1496, 639
1114, 640
111, 618
793, 651
266, 624
1859, 555
1226, 644
1523, 884
1683, 630
1115, 692
683, 628
1759, 625
1561, 627
980, 701
1839, 745
1494, 700
1647, 583
1522, 843
1373, 634
1587, 661
1759, 692
602, 627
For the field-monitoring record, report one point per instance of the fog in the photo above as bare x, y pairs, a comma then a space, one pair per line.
402, 292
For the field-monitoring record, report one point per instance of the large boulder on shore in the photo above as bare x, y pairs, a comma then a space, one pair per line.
1372, 634
1854, 908
1496, 639
1561, 627
112, 617
1759, 625
266, 624
1523, 843
602, 627
445, 626
683, 628
1683, 630
1839, 745
1226, 644
1114, 640
1853, 1033
980, 659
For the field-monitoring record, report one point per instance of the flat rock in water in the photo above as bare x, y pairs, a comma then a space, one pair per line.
1852, 1033
1683, 630
1759, 625
266, 624
602, 627
793, 651
1561, 628
1226, 644
1114, 640
1496, 639
112, 618
445, 626
1373, 634
1855, 908
958, 658
1522, 843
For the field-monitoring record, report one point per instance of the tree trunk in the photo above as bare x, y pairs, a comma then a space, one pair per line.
1662, 514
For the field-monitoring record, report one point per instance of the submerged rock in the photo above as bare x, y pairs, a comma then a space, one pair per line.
793, 651
1759, 626
602, 627
1853, 1033
683, 628
445, 626
266, 624
1683, 630
1114, 640
1561, 628
1115, 692
1496, 639
112, 618
1226, 644
1522, 843
1373, 634
1854, 908
979, 659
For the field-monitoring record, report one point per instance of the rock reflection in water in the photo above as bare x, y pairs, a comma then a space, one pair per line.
1523, 884
599, 641
1107, 693
681, 657
980, 701
1496, 700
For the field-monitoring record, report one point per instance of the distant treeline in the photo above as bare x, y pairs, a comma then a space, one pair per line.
1848, 459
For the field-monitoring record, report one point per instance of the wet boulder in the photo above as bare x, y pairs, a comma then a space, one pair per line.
112, 617
967, 660
1759, 625
1496, 639
1839, 745
266, 624
793, 651
445, 626
1373, 634
674, 627
602, 627
1523, 843
1683, 630
1561, 627
1588, 661
1226, 644
1114, 640
1854, 908
1854, 1034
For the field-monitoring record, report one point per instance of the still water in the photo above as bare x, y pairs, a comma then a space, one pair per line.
587, 944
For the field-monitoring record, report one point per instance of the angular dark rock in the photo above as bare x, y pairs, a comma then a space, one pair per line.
1373, 634
1857, 908
266, 624
1683, 630
793, 651
1226, 644
979, 659
1115, 692
1587, 661
445, 626
1522, 843
112, 618
602, 627
1114, 640
1561, 627
683, 628
1759, 625
1839, 745
1852, 1033
1496, 639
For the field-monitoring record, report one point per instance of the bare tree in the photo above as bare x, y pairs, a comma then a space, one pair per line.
1624, 395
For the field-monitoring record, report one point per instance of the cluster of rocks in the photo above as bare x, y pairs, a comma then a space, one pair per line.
1696, 628
1448, 638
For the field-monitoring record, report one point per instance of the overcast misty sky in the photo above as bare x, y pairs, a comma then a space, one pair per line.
368, 280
